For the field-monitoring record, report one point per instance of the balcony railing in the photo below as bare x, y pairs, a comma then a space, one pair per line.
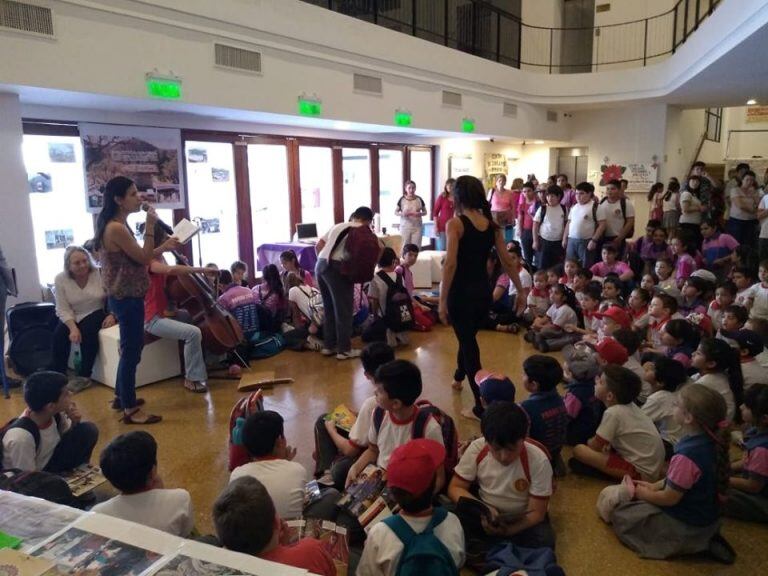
479, 28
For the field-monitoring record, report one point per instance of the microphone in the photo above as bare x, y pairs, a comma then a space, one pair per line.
167, 229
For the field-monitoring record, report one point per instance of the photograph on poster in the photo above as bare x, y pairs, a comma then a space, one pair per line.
210, 226
59, 238
148, 156
197, 155
78, 552
40, 182
186, 566
220, 174
61, 152
33, 520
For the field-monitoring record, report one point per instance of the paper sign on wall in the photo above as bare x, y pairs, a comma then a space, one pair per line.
757, 114
641, 177
459, 166
495, 164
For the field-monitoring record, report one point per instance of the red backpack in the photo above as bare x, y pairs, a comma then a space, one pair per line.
447, 428
361, 254
247, 405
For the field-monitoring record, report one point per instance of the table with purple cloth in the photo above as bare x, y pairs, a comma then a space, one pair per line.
270, 254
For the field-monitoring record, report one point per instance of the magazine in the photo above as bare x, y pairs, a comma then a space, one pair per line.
187, 566
76, 551
32, 519
333, 539
15, 563
311, 493
343, 417
368, 499
83, 479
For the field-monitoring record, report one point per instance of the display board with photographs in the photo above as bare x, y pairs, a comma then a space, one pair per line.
32, 519
148, 156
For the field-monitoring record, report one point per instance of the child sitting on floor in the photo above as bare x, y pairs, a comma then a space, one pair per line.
547, 332
392, 327
665, 377
663, 308
513, 477
724, 297
719, 368
635, 445
748, 492
750, 346
336, 451
545, 408
129, 462
680, 514
590, 304
246, 521
584, 409
612, 290
742, 278
665, 270
419, 528
538, 298
637, 307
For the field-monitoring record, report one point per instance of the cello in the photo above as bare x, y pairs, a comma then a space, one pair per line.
221, 331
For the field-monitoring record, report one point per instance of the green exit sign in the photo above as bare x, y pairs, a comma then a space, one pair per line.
403, 118
164, 88
467, 125
310, 107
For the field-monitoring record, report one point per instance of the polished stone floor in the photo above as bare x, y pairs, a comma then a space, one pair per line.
193, 444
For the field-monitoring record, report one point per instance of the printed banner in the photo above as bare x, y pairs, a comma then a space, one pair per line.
495, 164
148, 156
640, 176
757, 114
459, 166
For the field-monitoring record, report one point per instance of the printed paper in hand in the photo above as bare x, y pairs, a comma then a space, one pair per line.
185, 230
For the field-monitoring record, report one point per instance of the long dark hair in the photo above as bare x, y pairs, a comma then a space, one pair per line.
727, 361
445, 186
469, 192
271, 277
655, 188
117, 187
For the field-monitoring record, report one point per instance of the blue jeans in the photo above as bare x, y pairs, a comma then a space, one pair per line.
577, 250
440, 241
130, 316
194, 362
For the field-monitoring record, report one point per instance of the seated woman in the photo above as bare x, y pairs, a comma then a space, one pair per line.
81, 309
290, 263
271, 294
158, 319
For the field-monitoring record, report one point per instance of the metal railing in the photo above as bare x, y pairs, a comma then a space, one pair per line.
479, 28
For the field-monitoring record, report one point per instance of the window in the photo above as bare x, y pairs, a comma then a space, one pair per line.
714, 119
356, 168
212, 202
57, 199
270, 194
421, 174
390, 186
316, 177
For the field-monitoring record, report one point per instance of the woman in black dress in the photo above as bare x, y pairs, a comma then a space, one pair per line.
465, 294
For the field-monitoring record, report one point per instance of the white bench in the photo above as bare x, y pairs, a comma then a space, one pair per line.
160, 359
435, 259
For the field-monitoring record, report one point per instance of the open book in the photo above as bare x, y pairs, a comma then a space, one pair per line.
343, 417
185, 230
83, 479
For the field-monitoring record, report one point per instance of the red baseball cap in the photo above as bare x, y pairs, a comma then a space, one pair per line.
412, 466
612, 352
617, 314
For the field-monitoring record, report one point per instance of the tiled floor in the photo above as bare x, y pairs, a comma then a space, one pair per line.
193, 444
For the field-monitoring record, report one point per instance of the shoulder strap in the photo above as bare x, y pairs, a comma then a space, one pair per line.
543, 212
623, 204
439, 514
26, 423
385, 277
482, 454
420, 423
378, 418
343, 234
401, 529
524, 462
565, 212
594, 212
604, 199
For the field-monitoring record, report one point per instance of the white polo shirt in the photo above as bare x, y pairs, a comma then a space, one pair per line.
169, 510
284, 481
614, 219
358, 434
553, 223
634, 436
582, 223
394, 433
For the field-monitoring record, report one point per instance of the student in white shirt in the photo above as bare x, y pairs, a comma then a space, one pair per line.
626, 442
271, 463
719, 368
337, 451
398, 386
411, 479
750, 347
619, 216
49, 435
586, 225
548, 227
129, 462
665, 376
513, 477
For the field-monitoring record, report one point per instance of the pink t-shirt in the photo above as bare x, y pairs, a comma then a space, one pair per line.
524, 210
502, 201
407, 275
602, 269
757, 462
684, 267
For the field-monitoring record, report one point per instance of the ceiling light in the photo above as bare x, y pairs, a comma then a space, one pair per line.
538, 141
751, 102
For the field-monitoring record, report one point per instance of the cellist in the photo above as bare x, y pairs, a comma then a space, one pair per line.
159, 317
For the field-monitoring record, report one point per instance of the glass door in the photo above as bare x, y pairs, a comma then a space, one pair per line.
390, 186
316, 177
270, 195
421, 174
212, 202
356, 168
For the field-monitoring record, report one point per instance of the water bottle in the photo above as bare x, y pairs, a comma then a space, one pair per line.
77, 360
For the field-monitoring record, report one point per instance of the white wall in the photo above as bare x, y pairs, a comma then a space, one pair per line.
16, 235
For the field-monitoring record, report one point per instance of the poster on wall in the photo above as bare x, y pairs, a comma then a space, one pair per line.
639, 175
758, 165
495, 163
148, 156
757, 114
459, 166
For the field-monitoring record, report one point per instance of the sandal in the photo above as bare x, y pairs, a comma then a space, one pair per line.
150, 418
196, 386
117, 405
457, 385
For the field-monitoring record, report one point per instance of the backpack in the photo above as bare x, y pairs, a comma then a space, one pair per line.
43, 485
361, 253
623, 205
423, 554
399, 309
565, 213
267, 346
25, 423
523, 457
316, 307
247, 405
447, 429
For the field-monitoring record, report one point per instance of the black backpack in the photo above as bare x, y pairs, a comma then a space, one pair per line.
399, 310
565, 213
25, 423
623, 205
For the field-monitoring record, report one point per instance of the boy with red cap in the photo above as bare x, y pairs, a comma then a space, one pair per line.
614, 318
627, 441
411, 477
513, 478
